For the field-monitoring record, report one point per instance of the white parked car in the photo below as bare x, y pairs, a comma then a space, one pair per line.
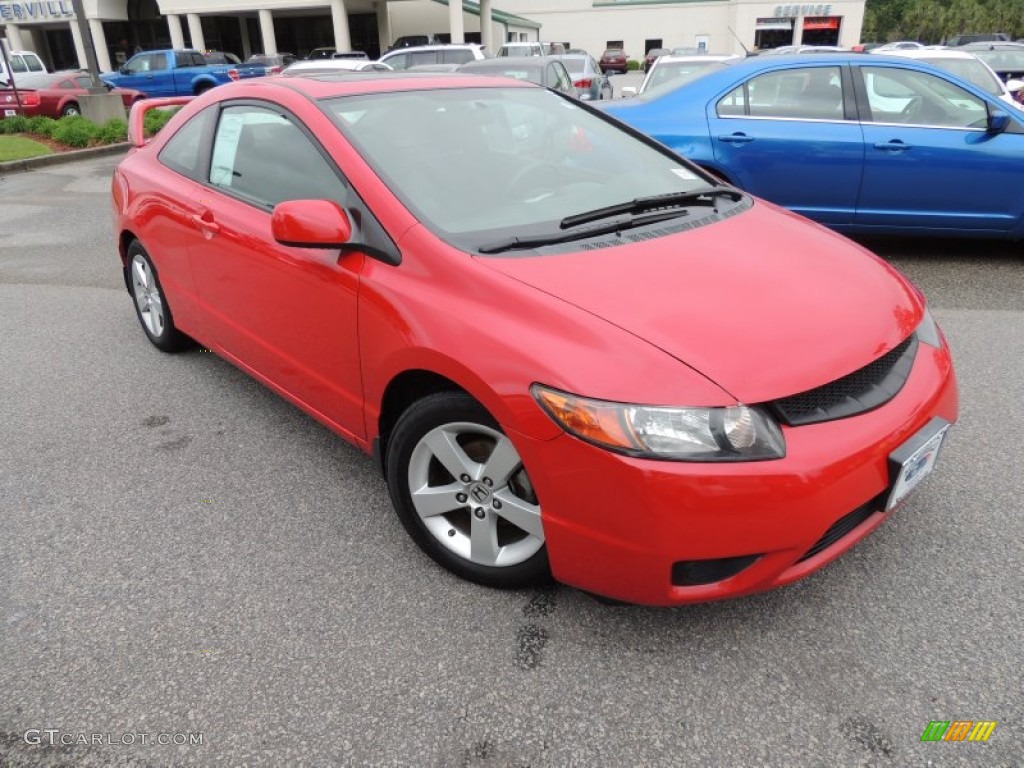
673, 71
328, 66
967, 67
403, 58
22, 63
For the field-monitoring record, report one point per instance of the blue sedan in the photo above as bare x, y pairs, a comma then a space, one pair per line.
859, 143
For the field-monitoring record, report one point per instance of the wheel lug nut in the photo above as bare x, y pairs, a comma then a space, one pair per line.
451, 532
465, 478
479, 512
461, 498
488, 482
496, 504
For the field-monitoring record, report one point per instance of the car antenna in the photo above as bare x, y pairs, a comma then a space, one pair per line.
746, 51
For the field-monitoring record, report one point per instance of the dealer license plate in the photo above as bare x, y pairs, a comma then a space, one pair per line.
10, 112
913, 461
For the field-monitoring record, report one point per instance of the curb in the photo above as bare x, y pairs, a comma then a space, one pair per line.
59, 158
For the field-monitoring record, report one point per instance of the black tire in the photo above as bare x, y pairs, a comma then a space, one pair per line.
426, 416
202, 88
164, 335
71, 108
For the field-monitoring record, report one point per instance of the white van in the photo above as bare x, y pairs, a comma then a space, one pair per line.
22, 63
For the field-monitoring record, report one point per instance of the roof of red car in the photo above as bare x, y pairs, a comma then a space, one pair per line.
322, 86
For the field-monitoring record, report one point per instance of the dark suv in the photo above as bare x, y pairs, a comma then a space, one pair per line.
614, 60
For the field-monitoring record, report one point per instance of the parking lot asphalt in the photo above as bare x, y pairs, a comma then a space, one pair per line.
182, 552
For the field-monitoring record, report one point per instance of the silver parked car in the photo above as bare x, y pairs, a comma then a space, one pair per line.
590, 82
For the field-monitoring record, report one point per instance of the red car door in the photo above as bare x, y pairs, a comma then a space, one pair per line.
287, 314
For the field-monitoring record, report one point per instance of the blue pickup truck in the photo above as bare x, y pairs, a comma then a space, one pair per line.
176, 73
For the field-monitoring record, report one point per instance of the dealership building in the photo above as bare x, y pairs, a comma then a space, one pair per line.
119, 28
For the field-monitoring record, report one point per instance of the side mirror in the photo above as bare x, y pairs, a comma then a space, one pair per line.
123, 69
628, 91
311, 224
998, 121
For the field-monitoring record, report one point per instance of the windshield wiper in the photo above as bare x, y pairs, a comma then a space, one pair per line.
554, 238
701, 196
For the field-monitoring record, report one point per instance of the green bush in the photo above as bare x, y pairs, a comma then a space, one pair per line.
16, 124
41, 126
632, 65
113, 131
75, 131
156, 119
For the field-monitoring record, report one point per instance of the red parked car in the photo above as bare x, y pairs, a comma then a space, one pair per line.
54, 94
614, 60
572, 352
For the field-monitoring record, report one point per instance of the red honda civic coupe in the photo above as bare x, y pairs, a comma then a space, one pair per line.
573, 353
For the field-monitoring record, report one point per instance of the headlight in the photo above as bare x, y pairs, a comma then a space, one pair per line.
928, 331
736, 433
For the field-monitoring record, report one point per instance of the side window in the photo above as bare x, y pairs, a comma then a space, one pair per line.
182, 59
733, 104
398, 62
806, 93
197, 60
264, 157
137, 64
34, 64
422, 57
83, 82
184, 152
456, 56
18, 64
917, 98
158, 61
560, 80
67, 85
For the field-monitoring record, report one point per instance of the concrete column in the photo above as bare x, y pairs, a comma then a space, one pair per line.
455, 23
177, 36
487, 27
195, 31
99, 44
383, 25
339, 18
14, 37
267, 29
83, 61
243, 28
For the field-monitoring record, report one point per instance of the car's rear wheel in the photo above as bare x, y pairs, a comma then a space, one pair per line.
70, 110
151, 306
461, 491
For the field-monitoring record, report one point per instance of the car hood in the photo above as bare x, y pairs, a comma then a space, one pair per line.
764, 303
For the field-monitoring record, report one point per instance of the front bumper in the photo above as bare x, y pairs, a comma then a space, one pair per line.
619, 526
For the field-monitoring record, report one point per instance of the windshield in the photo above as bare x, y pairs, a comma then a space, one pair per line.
478, 164
672, 74
575, 66
971, 70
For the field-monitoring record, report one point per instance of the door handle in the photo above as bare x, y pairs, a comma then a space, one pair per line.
736, 138
208, 226
892, 146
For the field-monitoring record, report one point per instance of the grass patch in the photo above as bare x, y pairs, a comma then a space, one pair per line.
20, 148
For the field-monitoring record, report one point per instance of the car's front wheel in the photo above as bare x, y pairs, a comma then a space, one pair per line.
151, 305
461, 491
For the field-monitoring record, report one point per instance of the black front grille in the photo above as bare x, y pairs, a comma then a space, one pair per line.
844, 525
863, 390
692, 573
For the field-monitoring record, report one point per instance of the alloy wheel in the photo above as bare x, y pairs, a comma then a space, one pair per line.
147, 296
